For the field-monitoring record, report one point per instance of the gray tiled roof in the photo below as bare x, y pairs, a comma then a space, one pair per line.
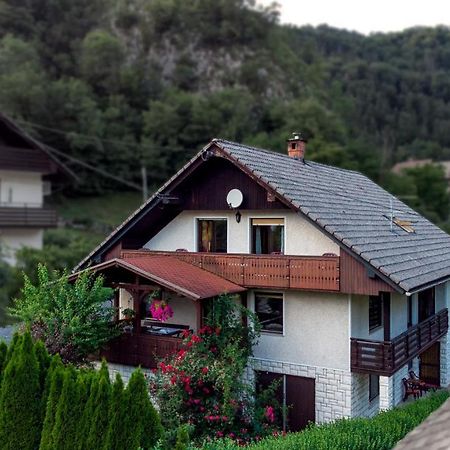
356, 211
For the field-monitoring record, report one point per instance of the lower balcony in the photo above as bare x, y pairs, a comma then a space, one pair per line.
144, 349
386, 357
27, 216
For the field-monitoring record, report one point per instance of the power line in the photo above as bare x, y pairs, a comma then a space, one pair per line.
95, 138
94, 169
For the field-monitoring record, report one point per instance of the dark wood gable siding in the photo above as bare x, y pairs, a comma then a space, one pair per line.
208, 187
205, 189
354, 278
16, 153
25, 159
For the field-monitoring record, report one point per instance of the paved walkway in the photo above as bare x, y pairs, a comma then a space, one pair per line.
432, 434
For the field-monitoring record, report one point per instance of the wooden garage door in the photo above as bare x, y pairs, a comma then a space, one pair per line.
301, 400
297, 393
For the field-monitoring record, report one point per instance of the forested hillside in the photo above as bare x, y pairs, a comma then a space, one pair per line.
126, 83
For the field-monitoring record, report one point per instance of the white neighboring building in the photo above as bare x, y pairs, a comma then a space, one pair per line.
349, 295
26, 173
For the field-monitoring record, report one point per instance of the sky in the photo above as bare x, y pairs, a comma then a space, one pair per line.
365, 16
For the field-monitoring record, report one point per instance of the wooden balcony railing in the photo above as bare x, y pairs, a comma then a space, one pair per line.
386, 357
269, 271
27, 216
140, 349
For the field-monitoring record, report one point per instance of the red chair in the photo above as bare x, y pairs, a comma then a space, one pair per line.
422, 385
410, 388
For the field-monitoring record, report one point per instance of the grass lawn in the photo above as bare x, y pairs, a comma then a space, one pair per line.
108, 210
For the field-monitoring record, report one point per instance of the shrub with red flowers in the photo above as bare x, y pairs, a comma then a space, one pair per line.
202, 384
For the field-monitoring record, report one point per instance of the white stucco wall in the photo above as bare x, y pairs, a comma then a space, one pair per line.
13, 239
440, 297
125, 301
23, 187
315, 331
301, 238
184, 312
399, 314
360, 317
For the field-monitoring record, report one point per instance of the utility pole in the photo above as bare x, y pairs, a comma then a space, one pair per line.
144, 183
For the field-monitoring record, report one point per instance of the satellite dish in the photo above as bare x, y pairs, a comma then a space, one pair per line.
235, 198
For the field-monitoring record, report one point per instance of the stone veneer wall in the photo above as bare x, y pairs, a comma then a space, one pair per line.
124, 371
333, 386
445, 361
361, 406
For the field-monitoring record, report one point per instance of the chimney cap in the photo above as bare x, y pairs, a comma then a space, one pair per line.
297, 136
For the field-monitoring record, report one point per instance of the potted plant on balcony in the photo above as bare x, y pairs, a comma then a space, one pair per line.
128, 315
159, 308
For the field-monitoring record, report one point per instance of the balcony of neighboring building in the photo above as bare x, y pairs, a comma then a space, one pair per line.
27, 215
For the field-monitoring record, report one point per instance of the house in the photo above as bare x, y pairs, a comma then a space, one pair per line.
350, 296
403, 166
27, 171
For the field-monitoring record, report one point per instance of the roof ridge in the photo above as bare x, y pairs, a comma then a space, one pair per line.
285, 156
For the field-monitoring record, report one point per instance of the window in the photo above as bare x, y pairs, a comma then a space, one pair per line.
267, 236
374, 387
212, 235
375, 312
269, 310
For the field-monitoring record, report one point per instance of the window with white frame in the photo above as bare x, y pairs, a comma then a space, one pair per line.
267, 236
269, 310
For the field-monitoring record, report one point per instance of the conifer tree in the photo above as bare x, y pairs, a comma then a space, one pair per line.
84, 425
3, 353
67, 413
44, 362
13, 346
92, 384
143, 423
56, 373
55, 362
20, 397
100, 418
117, 415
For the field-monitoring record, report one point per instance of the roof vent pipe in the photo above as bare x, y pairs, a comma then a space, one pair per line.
297, 146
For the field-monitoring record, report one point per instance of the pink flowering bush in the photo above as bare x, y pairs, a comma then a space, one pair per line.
161, 310
202, 384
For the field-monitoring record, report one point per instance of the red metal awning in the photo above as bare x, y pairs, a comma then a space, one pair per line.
173, 274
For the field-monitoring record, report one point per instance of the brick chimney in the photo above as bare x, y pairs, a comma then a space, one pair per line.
297, 146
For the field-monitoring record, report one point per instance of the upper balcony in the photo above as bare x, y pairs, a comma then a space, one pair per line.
319, 273
26, 215
386, 357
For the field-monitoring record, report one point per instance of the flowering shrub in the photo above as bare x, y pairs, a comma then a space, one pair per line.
160, 310
202, 384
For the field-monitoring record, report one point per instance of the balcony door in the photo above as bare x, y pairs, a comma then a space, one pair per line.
429, 369
212, 235
426, 304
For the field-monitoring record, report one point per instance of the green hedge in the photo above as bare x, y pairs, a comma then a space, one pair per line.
379, 433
